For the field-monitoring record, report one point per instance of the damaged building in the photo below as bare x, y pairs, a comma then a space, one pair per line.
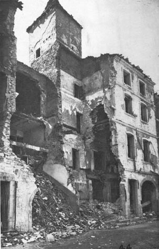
89, 123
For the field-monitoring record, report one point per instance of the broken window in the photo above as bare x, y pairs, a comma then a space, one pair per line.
78, 121
146, 150
128, 104
131, 146
144, 114
127, 78
78, 91
99, 160
38, 53
142, 88
75, 159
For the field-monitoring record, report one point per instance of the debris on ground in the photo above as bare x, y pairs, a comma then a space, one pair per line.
53, 218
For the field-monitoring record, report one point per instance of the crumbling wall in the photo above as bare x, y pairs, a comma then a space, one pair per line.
99, 86
12, 170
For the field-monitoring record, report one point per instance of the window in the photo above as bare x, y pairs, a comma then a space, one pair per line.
144, 114
127, 79
78, 122
78, 91
38, 53
75, 159
128, 104
142, 88
131, 146
146, 150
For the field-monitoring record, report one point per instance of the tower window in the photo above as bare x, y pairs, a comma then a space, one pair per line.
128, 104
75, 159
38, 53
144, 112
131, 146
146, 150
78, 91
127, 78
142, 88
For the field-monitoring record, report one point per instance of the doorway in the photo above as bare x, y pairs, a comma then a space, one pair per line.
5, 189
149, 202
133, 187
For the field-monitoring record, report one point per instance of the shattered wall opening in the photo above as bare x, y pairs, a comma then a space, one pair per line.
28, 100
149, 200
106, 186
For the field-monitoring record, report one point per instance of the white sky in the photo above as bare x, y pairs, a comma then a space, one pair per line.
128, 27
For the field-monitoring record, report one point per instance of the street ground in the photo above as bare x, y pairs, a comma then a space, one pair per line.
141, 236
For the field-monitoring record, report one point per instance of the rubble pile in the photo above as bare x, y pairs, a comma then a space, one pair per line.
53, 218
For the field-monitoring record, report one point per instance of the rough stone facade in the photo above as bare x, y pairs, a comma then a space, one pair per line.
89, 123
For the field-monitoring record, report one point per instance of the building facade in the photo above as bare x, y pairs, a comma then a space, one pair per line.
89, 123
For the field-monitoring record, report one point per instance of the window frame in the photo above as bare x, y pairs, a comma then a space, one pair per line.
38, 53
126, 72
78, 91
130, 148
78, 121
145, 120
128, 105
75, 159
143, 84
146, 152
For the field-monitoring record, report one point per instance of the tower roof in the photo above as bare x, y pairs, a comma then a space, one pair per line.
50, 5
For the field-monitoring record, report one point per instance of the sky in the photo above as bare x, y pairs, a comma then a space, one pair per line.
127, 27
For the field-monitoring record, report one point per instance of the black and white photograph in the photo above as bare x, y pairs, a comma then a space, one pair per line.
79, 124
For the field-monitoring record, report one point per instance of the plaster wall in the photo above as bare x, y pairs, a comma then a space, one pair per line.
43, 37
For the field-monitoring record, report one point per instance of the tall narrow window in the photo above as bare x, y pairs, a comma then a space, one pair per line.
38, 53
78, 92
146, 150
128, 104
78, 121
75, 159
144, 112
131, 146
127, 78
142, 88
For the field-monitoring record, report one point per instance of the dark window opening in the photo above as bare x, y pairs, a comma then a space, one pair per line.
128, 104
25, 159
78, 92
131, 149
142, 88
78, 121
98, 114
28, 100
144, 116
75, 159
146, 150
16, 138
127, 79
38, 53
99, 160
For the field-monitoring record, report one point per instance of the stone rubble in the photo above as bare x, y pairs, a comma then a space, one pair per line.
53, 218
